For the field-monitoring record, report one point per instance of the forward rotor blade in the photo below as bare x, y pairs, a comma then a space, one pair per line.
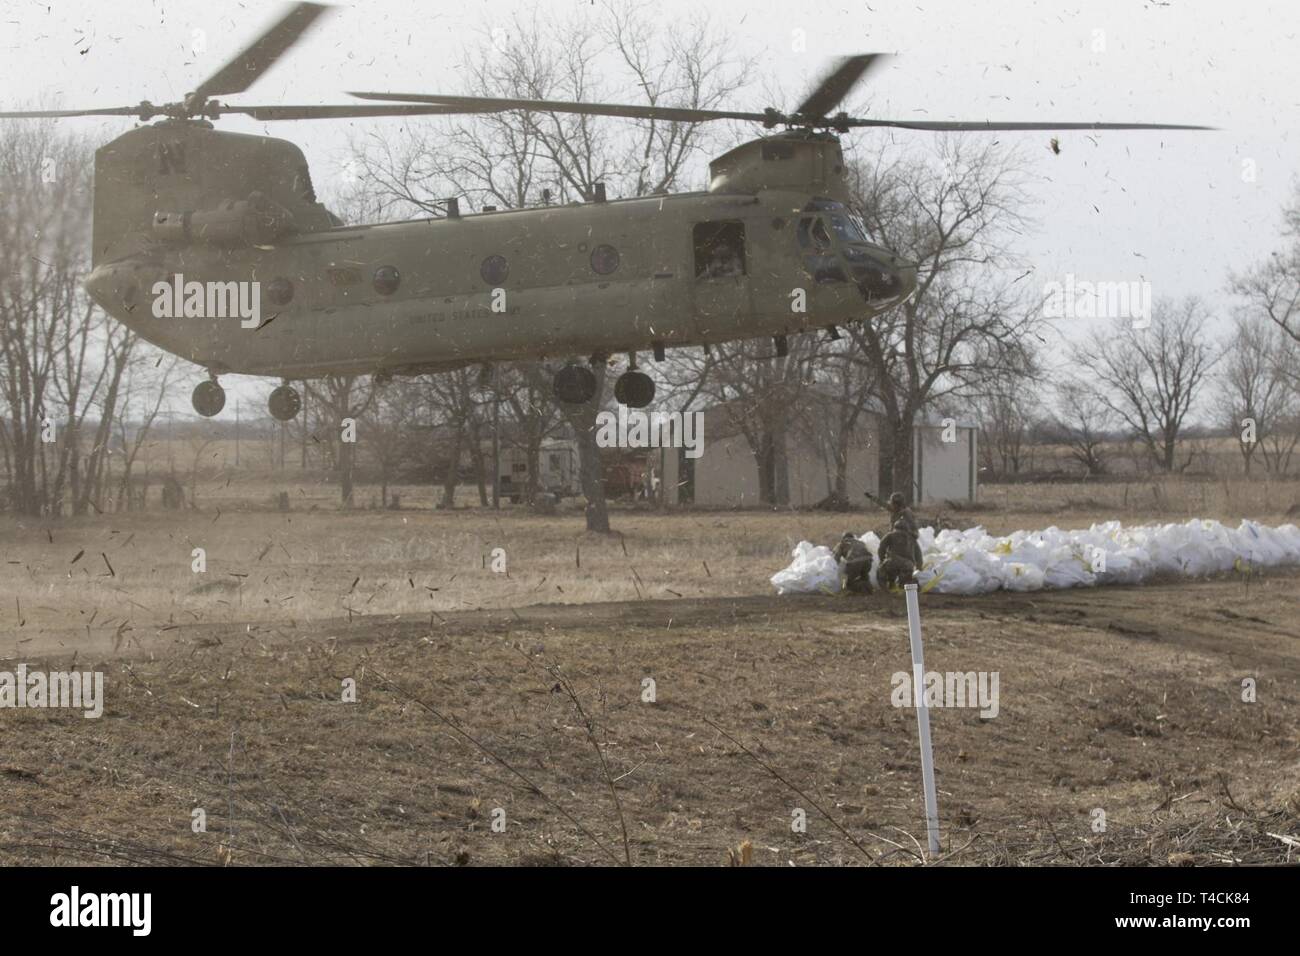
338, 112
996, 125
52, 114
256, 58
488, 104
838, 83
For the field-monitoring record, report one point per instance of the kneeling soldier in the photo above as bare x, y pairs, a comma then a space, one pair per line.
856, 560
900, 557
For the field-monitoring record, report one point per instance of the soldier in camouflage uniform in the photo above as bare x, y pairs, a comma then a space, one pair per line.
899, 511
900, 556
856, 559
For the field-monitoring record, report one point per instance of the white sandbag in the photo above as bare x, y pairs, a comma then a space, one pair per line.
813, 569
872, 541
974, 562
1070, 567
953, 577
1267, 546
1126, 566
1023, 577
988, 565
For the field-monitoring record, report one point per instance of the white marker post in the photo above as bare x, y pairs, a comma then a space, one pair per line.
922, 716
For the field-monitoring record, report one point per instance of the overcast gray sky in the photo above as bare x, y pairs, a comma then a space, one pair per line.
1176, 209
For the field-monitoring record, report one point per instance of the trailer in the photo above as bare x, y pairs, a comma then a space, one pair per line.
557, 471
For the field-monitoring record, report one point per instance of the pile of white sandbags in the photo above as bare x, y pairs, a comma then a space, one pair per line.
975, 562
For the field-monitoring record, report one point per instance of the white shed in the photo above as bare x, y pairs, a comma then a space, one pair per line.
726, 473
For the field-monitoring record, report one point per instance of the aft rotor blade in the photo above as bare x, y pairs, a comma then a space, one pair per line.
255, 59
338, 112
490, 104
997, 125
830, 92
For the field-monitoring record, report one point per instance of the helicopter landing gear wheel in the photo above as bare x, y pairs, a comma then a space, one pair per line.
574, 385
209, 398
284, 403
634, 389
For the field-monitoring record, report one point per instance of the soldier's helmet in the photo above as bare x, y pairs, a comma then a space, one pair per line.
847, 535
896, 500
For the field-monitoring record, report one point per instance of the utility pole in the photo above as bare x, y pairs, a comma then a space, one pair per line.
236, 431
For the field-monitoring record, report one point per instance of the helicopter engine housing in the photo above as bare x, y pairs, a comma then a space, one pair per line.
795, 160
245, 222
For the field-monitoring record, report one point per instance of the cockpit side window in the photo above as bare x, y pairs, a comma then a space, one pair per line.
820, 236
813, 234
819, 256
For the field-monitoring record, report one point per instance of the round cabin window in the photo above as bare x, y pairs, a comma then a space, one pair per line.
604, 260
280, 291
494, 270
387, 279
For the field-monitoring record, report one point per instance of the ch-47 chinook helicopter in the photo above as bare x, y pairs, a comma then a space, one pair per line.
178, 203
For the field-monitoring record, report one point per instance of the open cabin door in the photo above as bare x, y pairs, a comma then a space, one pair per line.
721, 287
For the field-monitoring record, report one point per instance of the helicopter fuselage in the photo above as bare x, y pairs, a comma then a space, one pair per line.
770, 249
409, 297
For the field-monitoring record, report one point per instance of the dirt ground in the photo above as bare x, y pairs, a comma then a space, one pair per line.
475, 705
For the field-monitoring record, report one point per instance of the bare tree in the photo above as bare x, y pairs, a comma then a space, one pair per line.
953, 213
512, 159
147, 382
1084, 421
1150, 378
56, 349
386, 429
848, 378
1273, 287
1259, 386
119, 343
338, 399
533, 416
761, 395
1279, 445
1007, 412
202, 436
459, 402
582, 420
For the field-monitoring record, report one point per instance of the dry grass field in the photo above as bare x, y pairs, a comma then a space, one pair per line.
118, 575
522, 691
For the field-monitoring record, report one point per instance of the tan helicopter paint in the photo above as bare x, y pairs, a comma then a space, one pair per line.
552, 303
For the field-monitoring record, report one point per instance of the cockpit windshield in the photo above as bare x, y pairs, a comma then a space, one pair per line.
848, 228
